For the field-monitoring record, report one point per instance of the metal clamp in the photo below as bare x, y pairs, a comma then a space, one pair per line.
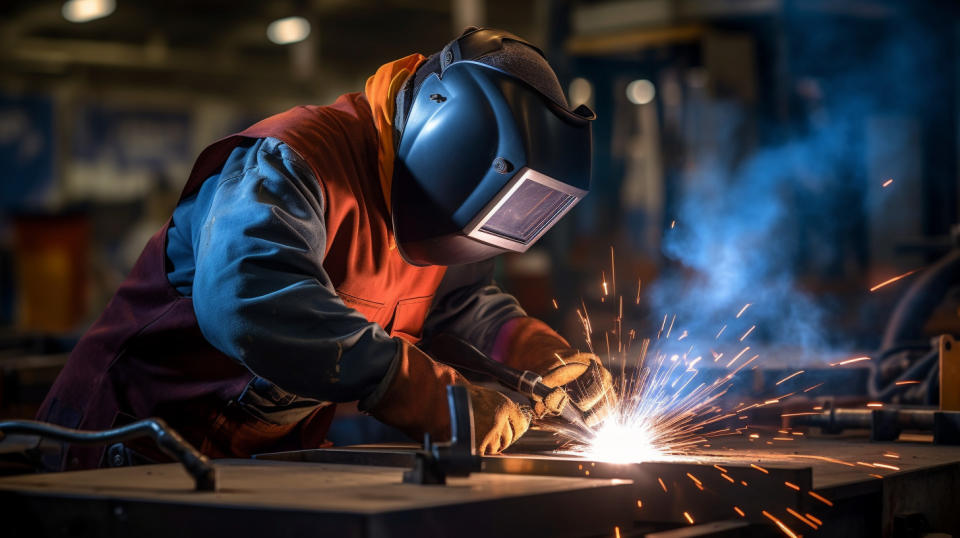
458, 457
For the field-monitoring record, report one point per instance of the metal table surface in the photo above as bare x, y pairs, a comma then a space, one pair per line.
271, 498
851, 495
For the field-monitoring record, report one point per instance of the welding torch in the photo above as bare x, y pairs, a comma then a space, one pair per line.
461, 355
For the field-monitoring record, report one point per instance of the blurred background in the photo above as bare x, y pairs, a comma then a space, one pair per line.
788, 154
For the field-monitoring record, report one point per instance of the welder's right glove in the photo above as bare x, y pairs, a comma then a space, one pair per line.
502, 420
529, 344
413, 398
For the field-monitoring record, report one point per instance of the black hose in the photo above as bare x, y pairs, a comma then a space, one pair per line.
919, 367
169, 441
904, 346
921, 299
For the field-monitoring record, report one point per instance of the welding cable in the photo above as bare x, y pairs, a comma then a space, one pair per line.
930, 385
899, 348
920, 300
167, 439
922, 367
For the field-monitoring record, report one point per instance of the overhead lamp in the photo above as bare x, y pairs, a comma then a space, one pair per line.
580, 92
288, 30
641, 92
87, 10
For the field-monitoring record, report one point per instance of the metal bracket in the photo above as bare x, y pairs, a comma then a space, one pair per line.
949, 374
458, 457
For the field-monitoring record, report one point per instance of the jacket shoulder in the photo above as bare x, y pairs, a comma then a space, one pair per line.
309, 128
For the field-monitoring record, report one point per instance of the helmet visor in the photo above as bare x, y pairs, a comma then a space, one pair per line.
528, 205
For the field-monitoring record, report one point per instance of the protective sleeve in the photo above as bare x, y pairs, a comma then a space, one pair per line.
260, 292
471, 305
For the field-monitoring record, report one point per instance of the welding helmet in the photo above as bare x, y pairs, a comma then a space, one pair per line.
489, 156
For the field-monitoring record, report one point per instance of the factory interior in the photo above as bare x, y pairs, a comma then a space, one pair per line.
748, 286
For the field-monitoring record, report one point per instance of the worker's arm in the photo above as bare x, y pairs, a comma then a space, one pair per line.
472, 306
261, 296
260, 292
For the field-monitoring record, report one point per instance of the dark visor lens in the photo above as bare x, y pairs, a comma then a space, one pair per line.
527, 211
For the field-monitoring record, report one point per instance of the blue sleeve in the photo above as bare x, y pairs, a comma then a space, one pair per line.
471, 305
260, 292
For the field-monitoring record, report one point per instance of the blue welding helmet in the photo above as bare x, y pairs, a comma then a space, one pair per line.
486, 161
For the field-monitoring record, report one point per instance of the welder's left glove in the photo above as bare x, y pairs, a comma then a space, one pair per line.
529, 344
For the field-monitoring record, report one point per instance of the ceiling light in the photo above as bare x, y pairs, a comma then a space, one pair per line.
580, 92
641, 92
87, 10
288, 30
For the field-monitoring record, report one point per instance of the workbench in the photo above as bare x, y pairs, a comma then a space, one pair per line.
273, 498
529, 491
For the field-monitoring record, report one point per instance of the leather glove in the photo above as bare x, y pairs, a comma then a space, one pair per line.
503, 420
529, 344
413, 398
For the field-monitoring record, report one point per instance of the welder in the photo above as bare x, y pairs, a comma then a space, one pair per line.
310, 253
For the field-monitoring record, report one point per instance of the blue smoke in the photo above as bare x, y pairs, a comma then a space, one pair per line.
749, 227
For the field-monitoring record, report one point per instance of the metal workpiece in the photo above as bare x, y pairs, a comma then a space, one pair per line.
661, 493
269, 498
167, 439
836, 480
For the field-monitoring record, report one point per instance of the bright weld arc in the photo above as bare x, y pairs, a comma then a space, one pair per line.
663, 410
